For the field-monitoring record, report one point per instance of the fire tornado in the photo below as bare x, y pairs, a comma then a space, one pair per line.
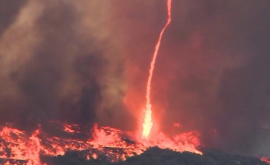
148, 123
72, 82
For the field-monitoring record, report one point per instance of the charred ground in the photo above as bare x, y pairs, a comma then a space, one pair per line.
157, 156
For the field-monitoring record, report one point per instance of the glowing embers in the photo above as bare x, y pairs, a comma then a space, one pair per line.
148, 123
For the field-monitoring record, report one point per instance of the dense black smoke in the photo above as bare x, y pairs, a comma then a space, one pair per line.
85, 62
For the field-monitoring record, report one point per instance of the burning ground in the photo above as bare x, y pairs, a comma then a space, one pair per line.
102, 143
87, 62
108, 146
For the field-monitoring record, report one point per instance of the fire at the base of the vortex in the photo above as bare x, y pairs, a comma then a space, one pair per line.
148, 123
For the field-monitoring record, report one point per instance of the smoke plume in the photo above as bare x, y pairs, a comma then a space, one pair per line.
59, 63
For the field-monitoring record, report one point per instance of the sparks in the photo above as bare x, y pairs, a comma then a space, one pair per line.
148, 123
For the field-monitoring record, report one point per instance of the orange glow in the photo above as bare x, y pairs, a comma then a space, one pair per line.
15, 145
68, 128
178, 125
147, 124
265, 159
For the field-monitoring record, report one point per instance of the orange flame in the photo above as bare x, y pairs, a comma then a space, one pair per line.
16, 146
147, 125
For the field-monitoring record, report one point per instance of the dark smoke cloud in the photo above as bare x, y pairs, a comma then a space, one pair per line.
85, 62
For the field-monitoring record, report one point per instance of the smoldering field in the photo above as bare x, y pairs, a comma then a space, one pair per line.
87, 61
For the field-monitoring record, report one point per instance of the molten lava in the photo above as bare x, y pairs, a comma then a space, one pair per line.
148, 123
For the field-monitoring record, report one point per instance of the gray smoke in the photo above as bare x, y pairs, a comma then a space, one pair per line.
56, 65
